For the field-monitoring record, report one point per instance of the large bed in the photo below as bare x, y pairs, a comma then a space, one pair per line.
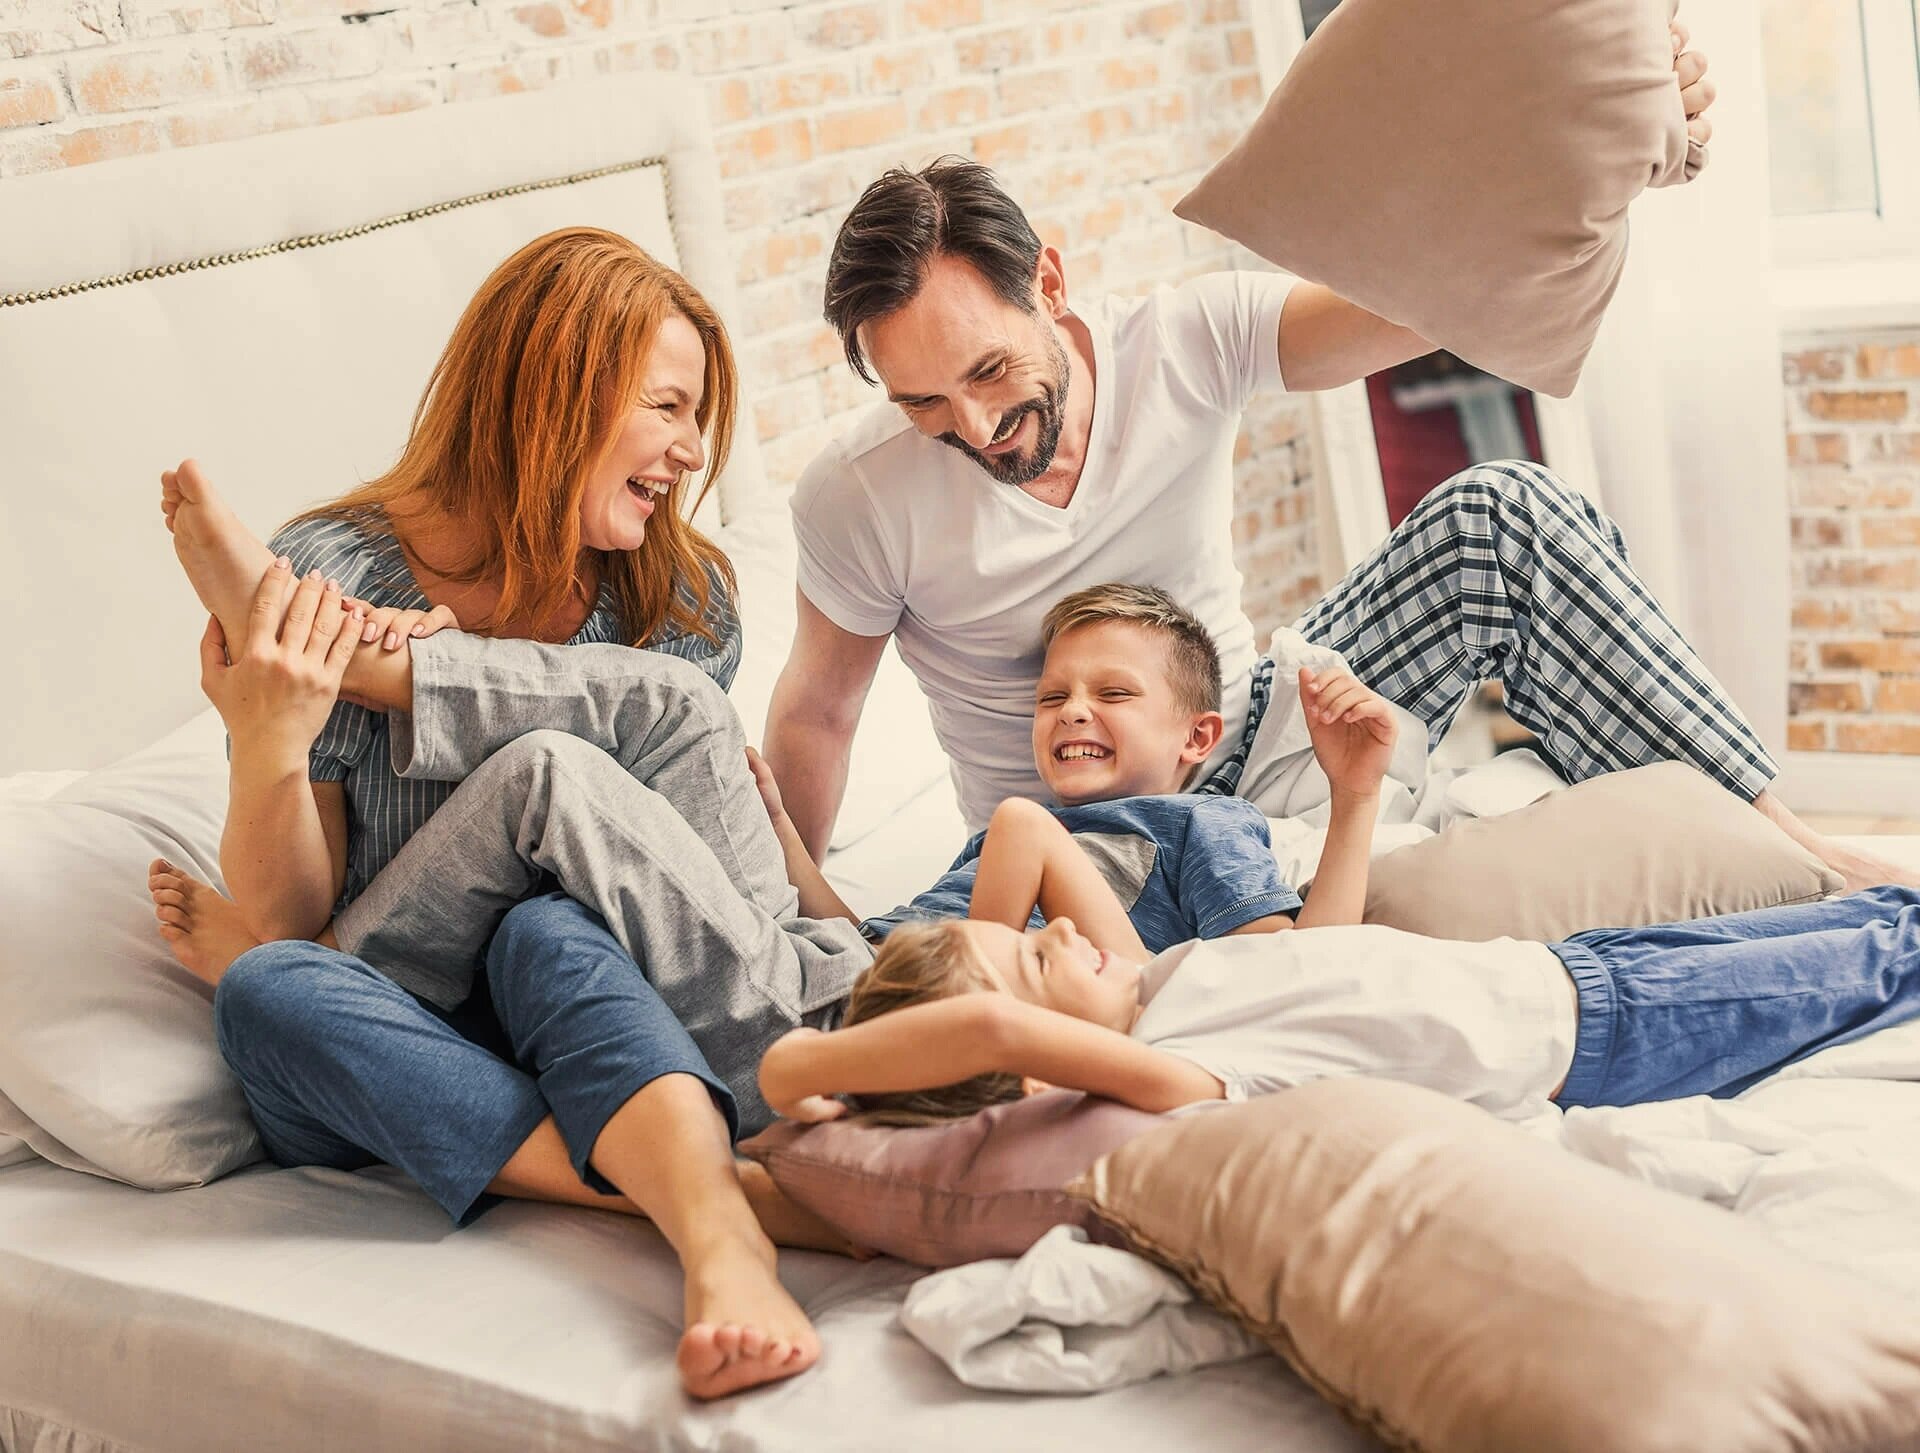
275, 304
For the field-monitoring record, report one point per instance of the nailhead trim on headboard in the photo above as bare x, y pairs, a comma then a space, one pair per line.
319, 239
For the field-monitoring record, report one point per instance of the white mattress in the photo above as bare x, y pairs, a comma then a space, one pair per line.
311, 1309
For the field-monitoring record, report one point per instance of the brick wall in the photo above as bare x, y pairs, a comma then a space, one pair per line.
1853, 448
1097, 113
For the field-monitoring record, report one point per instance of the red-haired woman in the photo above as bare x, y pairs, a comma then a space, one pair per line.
538, 500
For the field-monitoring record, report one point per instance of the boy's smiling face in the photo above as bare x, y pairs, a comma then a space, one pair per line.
1107, 721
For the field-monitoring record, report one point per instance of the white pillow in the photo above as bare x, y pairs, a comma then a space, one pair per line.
107, 1059
895, 754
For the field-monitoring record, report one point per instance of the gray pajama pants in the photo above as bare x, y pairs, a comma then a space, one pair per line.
623, 774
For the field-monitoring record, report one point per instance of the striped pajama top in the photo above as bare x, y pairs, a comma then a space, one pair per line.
383, 809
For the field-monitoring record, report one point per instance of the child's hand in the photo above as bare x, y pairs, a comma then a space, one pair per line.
769, 788
1352, 728
785, 1061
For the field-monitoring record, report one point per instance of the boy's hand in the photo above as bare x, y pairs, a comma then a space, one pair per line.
763, 778
1352, 728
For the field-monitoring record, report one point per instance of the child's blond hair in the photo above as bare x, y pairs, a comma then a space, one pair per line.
922, 963
1193, 660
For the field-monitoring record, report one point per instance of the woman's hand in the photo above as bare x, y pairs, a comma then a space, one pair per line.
769, 786
1696, 91
393, 627
276, 691
1352, 728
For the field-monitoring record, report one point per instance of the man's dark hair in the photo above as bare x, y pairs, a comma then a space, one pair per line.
903, 222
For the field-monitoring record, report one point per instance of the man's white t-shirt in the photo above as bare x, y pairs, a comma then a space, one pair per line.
900, 533
1489, 1023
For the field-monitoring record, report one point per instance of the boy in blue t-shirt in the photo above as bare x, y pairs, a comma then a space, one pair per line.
1127, 706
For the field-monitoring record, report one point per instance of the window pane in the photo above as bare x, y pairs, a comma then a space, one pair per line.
1819, 118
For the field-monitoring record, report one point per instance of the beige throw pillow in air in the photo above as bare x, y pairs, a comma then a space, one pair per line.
1463, 168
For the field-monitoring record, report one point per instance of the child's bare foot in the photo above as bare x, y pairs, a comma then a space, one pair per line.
787, 1223
204, 930
743, 1329
223, 559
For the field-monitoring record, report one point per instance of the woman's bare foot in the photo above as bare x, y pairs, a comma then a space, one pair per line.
743, 1329
223, 559
204, 930
787, 1223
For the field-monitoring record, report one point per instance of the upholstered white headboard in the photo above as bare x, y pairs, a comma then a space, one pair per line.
272, 307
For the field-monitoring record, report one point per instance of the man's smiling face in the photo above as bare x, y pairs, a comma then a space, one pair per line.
974, 371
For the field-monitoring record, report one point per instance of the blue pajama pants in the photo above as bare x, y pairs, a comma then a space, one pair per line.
342, 1067
1714, 1006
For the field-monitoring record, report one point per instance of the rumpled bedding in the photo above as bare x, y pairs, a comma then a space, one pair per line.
1825, 1155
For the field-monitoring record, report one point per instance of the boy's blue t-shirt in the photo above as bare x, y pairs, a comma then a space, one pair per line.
1185, 866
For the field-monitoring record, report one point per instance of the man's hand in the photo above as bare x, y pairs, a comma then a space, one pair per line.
276, 694
1352, 728
1696, 91
785, 1062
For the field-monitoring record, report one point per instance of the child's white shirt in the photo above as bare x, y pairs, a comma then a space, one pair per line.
1489, 1023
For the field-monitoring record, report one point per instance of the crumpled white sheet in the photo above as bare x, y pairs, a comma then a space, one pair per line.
1067, 1317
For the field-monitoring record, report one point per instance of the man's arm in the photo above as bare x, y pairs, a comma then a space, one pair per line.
812, 718
1326, 341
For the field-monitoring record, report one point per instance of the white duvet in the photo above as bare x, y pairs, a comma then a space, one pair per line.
1825, 1155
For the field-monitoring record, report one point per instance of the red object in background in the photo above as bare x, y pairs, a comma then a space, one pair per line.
1423, 449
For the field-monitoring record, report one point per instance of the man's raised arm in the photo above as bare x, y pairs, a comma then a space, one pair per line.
811, 720
1326, 341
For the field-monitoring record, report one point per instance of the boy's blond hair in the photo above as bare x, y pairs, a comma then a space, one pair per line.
922, 963
1193, 661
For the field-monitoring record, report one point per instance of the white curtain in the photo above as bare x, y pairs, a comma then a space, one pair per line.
1683, 397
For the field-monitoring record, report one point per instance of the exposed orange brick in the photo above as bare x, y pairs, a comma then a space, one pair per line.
958, 106
374, 97
1156, 22
784, 410
888, 72
1841, 491
1806, 736
1858, 406
1102, 222
843, 27
546, 19
1812, 530
1812, 614
731, 102
864, 126
801, 90
48, 150
1222, 12
1103, 122
1898, 695
1880, 360
739, 46
1900, 656
779, 303
635, 55
1816, 448
994, 50
1814, 365
1006, 144
1064, 37
1897, 615
230, 121
942, 14
1127, 75
1875, 572
123, 80
810, 349
779, 143
29, 98
1207, 53
1024, 91
1810, 696
779, 254
1240, 48
451, 33
842, 390
1894, 448
1882, 737
1899, 533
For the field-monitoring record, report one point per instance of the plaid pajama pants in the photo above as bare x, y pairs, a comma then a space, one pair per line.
1505, 574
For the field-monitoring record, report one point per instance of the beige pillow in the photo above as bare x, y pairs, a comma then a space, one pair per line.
1464, 168
1451, 1282
1652, 845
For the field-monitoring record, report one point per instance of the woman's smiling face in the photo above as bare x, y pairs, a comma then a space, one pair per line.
658, 442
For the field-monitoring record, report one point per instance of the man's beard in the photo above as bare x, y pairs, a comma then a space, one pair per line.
1050, 408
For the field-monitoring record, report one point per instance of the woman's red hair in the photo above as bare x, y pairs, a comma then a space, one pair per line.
528, 395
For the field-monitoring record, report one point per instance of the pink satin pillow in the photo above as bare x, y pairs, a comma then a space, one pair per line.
940, 1195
